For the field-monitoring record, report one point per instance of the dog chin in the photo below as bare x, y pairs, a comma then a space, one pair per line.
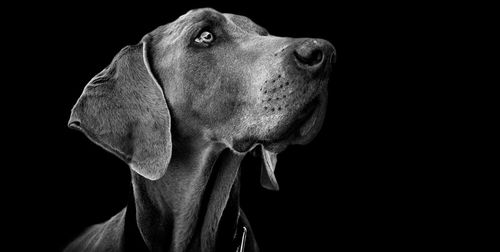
304, 129
311, 127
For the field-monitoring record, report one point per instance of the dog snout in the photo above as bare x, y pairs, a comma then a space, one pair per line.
314, 54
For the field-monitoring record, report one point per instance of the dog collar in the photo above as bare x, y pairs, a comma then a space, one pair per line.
241, 246
240, 236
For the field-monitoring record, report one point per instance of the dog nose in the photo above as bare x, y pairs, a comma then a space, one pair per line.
312, 54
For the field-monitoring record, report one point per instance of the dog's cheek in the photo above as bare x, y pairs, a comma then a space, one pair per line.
224, 102
215, 97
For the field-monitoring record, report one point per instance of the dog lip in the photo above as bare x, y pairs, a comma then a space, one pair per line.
308, 124
309, 109
309, 117
306, 114
298, 132
310, 128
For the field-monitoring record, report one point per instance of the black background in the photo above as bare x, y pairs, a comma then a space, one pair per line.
376, 177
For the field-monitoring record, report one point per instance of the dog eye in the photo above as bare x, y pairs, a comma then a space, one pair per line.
204, 37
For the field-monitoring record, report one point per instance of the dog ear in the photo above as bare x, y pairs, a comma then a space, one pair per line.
267, 178
123, 109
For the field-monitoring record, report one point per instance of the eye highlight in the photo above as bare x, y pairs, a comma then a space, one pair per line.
205, 37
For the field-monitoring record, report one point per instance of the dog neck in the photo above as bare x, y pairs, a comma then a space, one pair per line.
182, 211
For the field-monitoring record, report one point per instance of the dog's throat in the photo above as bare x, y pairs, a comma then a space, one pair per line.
220, 197
183, 210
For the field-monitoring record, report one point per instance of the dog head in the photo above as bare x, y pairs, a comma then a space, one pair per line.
217, 77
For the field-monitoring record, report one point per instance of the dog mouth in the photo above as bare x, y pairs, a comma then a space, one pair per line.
304, 127
305, 121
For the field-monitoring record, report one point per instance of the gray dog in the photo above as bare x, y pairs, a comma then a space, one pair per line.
182, 108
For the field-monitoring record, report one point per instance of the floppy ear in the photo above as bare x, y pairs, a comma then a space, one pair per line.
123, 109
267, 178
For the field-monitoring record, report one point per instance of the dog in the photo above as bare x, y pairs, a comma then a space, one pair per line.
182, 108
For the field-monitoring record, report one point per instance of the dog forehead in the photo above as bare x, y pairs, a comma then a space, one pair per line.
170, 32
242, 22
197, 15
246, 24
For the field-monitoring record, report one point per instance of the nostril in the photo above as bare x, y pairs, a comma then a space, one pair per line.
309, 56
316, 57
